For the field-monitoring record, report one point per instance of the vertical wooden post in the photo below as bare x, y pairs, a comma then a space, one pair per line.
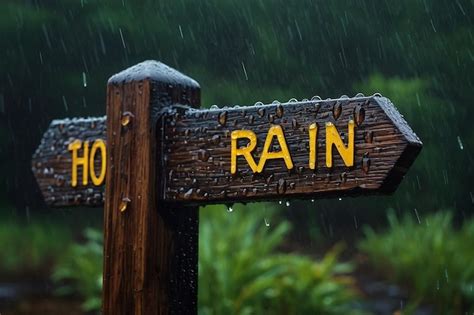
151, 248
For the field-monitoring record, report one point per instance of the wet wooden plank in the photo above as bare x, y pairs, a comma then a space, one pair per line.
52, 162
150, 246
197, 146
197, 153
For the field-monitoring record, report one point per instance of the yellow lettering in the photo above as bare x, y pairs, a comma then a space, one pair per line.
333, 137
283, 154
98, 145
76, 161
313, 131
244, 151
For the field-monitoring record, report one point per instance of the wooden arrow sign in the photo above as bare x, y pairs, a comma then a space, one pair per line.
165, 156
308, 149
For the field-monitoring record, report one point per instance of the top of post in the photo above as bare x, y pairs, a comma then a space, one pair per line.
154, 71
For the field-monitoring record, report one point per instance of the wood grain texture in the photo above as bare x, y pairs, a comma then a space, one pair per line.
197, 151
52, 162
150, 256
196, 147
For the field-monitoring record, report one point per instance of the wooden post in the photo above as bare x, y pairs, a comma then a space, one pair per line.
151, 248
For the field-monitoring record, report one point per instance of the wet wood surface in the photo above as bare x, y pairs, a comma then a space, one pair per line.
150, 246
197, 151
52, 162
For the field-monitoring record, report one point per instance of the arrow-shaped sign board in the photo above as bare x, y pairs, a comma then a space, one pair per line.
163, 156
299, 149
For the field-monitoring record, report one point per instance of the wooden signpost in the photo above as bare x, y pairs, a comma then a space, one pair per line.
161, 156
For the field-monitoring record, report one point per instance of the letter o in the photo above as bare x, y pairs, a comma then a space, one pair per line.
99, 144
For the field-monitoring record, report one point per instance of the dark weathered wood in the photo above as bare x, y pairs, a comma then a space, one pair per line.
52, 162
150, 258
197, 151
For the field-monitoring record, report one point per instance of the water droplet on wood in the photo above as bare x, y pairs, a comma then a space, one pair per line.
250, 119
343, 177
261, 112
215, 139
337, 110
359, 115
281, 186
203, 155
269, 179
126, 118
294, 123
223, 118
369, 136
188, 194
279, 111
124, 204
365, 164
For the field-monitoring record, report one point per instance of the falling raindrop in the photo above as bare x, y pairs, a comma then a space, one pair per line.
245, 71
65, 103
287, 203
267, 224
84, 79
460, 143
280, 202
417, 216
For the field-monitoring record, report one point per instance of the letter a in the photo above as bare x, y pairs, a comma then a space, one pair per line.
283, 154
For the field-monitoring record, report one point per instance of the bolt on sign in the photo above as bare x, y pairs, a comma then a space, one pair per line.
156, 156
305, 149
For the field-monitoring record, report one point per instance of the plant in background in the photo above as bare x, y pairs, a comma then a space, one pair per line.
429, 255
80, 270
241, 272
30, 247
